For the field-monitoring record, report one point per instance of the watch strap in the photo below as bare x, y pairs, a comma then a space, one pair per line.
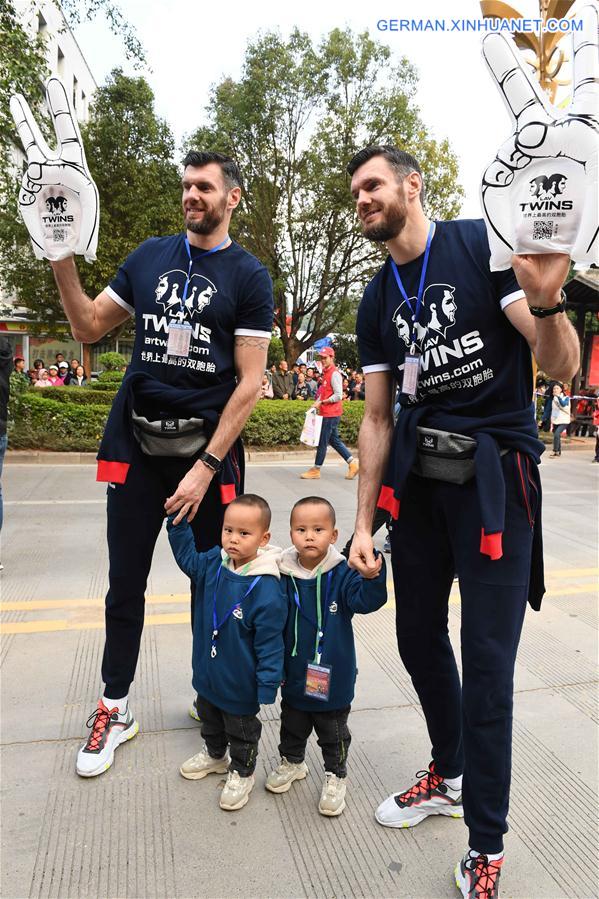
543, 312
211, 461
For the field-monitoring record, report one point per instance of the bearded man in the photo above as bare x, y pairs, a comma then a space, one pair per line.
459, 474
171, 444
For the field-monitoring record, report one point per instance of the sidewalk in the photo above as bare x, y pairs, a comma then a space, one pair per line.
140, 830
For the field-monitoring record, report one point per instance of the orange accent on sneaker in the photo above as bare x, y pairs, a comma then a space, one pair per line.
100, 718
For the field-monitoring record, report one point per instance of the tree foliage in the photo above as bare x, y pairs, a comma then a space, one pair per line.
294, 119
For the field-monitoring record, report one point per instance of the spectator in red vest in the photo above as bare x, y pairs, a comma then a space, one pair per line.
329, 405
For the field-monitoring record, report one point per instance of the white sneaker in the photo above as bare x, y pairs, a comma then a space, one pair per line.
332, 797
202, 764
236, 791
108, 730
430, 795
280, 780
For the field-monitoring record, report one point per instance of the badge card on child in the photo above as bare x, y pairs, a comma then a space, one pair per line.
318, 681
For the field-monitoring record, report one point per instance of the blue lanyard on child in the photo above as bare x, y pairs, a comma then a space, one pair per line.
415, 312
199, 256
218, 625
320, 623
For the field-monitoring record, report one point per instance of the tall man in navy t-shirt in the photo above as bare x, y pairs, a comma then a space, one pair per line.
457, 339
203, 310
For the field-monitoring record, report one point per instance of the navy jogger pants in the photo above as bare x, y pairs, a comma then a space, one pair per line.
436, 535
135, 512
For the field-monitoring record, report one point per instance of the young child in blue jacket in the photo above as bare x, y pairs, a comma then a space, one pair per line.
239, 617
323, 594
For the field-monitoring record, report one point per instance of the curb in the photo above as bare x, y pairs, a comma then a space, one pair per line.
49, 457
43, 457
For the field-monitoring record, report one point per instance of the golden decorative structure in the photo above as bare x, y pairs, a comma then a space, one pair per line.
549, 58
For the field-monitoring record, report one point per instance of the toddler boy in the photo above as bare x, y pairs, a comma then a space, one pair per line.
239, 616
323, 593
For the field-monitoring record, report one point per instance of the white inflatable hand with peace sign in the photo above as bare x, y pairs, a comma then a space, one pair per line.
539, 194
58, 199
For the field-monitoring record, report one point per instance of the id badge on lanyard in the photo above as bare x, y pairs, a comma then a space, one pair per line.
318, 681
411, 369
179, 339
179, 333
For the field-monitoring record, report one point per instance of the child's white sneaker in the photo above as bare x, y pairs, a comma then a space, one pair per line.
280, 780
236, 791
202, 764
332, 797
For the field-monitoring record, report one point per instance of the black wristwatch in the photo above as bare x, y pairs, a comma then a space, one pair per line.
541, 312
211, 461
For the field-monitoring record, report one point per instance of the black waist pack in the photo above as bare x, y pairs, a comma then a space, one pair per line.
444, 456
180, 437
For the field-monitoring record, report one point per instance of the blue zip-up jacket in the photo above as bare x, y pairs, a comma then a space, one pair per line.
248, 666
348, 593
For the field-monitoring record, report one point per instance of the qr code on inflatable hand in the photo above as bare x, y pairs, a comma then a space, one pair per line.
542, 230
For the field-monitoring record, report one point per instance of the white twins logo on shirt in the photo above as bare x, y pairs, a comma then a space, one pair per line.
171, 288
437, 315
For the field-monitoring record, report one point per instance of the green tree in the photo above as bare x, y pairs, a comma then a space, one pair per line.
130, 155
294, 119
346, 351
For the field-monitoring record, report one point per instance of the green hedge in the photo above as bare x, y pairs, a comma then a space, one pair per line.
67, 419
280, 422
50, 424
79, 396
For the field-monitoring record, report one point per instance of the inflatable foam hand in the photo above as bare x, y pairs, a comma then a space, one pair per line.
539, 194
58, 198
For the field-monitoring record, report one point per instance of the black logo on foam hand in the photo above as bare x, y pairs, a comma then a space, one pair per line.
171, 288
56, 204
547, 188
545, 192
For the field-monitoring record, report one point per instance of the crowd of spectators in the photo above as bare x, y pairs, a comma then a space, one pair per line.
58, 374
562, 413
303, 381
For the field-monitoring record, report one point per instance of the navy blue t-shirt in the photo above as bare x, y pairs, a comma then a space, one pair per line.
229, 295
474, 361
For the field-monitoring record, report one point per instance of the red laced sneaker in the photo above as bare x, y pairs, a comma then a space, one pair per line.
430, 795
108, 730
477, 877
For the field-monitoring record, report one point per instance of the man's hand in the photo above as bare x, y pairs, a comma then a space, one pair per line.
361, 556
539, 194
541, 277
189, 494
58, 198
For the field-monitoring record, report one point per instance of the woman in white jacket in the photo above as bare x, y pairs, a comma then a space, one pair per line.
560, 417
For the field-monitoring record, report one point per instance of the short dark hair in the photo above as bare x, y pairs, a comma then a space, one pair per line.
401, 162
257, 502
315, 501
228, 166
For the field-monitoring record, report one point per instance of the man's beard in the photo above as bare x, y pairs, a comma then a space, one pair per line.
394, 220
211, 220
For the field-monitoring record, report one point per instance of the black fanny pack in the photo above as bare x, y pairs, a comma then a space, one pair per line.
444, 456
171, 436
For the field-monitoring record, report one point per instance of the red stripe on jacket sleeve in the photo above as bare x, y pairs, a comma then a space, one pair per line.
490, 545
388, 501
114, 472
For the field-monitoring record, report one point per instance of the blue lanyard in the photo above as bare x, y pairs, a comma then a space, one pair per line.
218, 625
191, 261
321, 611
402, 290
